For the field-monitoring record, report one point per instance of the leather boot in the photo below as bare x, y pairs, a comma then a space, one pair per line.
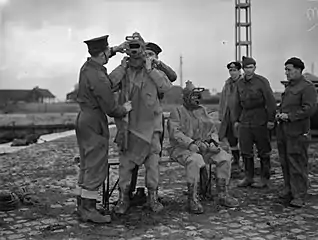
224, 198
88, 212
286, 192
123, 203
249, 173
153, 201
193, 200
265, 173
204, 182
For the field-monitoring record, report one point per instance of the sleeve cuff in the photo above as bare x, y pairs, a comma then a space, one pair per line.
290, 117
112, 52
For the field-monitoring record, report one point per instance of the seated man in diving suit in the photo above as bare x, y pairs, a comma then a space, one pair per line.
194, 144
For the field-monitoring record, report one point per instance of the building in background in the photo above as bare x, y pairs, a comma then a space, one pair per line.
35, 95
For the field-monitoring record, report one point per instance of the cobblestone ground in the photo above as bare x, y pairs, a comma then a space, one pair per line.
49, 170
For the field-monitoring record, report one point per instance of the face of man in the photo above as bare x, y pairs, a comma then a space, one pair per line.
249, 70
292, 72
234, 73
105, 56
151, 54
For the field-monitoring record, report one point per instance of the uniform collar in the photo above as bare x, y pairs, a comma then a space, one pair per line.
294, 82
95, 64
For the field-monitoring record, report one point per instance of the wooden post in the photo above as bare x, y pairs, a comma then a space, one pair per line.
181, 77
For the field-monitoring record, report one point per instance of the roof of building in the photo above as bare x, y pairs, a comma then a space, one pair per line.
23, 94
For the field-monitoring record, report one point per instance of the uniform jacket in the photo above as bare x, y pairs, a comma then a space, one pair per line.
96, 100
299, 101
226, 106
255, 104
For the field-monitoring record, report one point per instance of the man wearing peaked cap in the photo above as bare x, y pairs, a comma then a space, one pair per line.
299, 103
226, 108
254, 114
96, 101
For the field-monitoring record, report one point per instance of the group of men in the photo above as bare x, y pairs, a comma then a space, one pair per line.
132, 94
248, 115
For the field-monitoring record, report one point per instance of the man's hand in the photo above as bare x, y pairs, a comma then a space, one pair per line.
236, 128
121, 48
283, 116
194, 148
213, 149
203, 147
124, 62
270, 125
148, 64
156, 61
127, 106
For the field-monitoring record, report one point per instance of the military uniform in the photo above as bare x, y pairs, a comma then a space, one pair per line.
226, 114
144, 129
96, 100
299, 102
189, 124
255, 106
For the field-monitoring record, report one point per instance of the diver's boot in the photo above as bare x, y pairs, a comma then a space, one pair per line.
224, 198
193, 200
123, 203
153, 201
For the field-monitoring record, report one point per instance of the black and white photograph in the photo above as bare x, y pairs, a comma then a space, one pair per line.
159, 119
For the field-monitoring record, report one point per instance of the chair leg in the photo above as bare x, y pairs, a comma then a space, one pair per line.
103, 196
210, 179
133, 181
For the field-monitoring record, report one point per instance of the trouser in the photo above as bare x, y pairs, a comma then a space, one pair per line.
231, 138
136, 169
258, 135
194, 161
93, 150
151, 163
293, 156
248, 135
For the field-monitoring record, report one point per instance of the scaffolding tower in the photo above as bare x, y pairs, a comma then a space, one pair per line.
243, 33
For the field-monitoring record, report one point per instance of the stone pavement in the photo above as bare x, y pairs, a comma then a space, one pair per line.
49, 170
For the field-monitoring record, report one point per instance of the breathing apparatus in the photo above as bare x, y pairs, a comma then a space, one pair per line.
135, 46
192, 96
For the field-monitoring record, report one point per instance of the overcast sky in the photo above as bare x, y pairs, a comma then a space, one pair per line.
41, 41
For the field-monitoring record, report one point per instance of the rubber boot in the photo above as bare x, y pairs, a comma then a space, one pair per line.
249, 173
204, 182
265, 173
123, 203
88, 212
193, 200
153, 201
224, 198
